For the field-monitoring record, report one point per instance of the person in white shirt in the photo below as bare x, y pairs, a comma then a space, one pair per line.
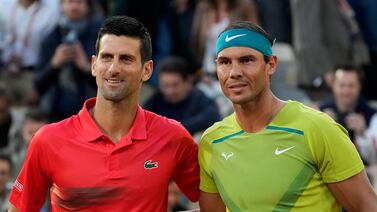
24, 24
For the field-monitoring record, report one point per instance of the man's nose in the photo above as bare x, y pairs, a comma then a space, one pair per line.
235, 70
114, 67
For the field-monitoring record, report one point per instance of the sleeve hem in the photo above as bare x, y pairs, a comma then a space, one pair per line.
208, 189
344, 175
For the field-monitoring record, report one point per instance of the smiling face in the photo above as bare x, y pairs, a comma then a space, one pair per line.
243, 74
118, 68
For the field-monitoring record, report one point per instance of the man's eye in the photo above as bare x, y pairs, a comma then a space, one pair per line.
106, 57
246, 60
224, 62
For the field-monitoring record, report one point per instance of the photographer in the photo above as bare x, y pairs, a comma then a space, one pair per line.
64, 80
348, 107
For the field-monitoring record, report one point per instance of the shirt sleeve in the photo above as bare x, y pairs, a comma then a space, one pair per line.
31, 186
207, 183
336, 156
186, 174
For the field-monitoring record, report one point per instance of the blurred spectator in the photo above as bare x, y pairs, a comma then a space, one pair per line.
34, 119
367, 142
347, 107
180, 100
25, 23
275, 17
324, 34
366, 15
5, 181
10, 123
174, 198
64, 79
174, 34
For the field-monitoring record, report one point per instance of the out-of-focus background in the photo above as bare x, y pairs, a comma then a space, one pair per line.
327, 52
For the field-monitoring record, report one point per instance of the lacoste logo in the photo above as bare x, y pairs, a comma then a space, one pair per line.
279, 152
227, 39
150, 165
227, 155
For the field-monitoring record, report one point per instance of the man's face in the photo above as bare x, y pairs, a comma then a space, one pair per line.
4, 174
30, 127
74, 10
243, 74
346, 88
118, 68
174, 87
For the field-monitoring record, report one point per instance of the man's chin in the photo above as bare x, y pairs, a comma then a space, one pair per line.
114, 97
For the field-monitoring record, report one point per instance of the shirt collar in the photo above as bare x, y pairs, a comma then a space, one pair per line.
89, 129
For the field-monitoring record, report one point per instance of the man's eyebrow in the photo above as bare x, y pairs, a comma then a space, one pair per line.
247, 57
222, 58
127, 56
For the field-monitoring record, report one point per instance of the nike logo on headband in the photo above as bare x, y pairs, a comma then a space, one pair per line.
227, 39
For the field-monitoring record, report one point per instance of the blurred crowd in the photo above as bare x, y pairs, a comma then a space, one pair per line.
327, 51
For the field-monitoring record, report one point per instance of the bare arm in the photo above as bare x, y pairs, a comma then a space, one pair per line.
211, 202
355, 193
12, 208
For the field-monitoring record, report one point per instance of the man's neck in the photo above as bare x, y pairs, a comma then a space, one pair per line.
114, 119
256, 115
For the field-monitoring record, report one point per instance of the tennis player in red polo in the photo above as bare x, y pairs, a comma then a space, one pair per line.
112, 155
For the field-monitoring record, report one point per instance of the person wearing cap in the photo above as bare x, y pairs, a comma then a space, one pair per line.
274, 155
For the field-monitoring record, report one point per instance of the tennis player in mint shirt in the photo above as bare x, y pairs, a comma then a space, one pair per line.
274, 155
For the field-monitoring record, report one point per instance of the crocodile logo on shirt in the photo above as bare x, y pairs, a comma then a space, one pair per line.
150, 165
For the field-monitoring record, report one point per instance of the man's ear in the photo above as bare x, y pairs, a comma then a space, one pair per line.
93, 66
271, 65
147, 70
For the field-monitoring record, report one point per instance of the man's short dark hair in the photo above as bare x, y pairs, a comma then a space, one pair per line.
127, 26
349, 68
253, 27
174, 64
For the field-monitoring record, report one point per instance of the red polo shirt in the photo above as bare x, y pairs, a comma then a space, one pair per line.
86, 171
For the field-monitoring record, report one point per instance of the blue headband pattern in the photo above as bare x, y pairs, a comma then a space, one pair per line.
244, 38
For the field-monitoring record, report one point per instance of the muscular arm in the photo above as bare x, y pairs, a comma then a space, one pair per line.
12, 208
355, 193
211, 202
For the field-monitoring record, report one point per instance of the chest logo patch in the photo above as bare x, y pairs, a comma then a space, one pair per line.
227, 155
150, 165
279, 152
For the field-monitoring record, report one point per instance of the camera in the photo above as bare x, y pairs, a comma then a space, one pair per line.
71, 37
